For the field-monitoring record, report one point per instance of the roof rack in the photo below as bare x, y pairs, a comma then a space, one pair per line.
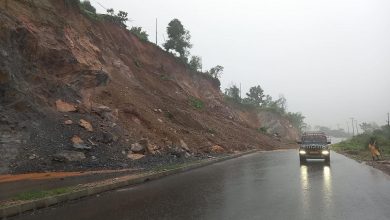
319, 133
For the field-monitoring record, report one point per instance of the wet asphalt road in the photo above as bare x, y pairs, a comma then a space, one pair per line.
270, 185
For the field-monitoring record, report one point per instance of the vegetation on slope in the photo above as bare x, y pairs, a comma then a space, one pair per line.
256, 100
357, 146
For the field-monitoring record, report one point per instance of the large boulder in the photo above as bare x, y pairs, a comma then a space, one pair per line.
177, 151
69, 156
133, 156
217, 149
184, 146
78, 143
137, 148
68, 122
85, 124
106, 112
64, 106
100, 108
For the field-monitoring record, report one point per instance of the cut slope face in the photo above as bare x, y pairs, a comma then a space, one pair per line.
75, 93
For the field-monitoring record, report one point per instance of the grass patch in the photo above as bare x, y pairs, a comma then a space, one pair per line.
168, 167
137, 63
211, 131
357, 146
169, 115
263, 130
165, 77
38, 194
196, 103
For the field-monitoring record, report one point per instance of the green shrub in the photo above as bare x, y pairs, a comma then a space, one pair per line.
263, 130
120, 18
165, 77
211, 131
72, 3
196, 103
169, 115
137, 63
31, 195
138, 32
86, 5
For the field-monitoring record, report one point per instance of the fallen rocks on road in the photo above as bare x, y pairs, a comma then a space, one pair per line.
69, 156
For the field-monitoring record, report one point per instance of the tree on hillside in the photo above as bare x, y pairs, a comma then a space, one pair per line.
255, 96
368, 127
296, 119
122, 17
233, 93
278, 105
119, 18
137, 31
110, 11
195, 63
86, 5
178, 39
267, 101
282, 103
216, 71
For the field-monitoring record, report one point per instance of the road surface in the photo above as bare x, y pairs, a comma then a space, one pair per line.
269, 185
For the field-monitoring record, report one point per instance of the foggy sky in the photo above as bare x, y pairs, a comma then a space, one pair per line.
329, 58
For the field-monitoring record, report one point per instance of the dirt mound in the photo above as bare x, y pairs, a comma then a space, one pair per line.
64, 75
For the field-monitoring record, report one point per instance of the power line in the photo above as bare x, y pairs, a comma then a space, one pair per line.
101, 5
156, 31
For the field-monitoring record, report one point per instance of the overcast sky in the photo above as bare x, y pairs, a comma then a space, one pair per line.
329, 58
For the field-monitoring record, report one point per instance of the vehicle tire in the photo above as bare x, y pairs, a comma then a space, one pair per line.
302, 159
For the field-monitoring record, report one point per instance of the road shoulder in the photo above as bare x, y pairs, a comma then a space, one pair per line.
383, 165
51, 197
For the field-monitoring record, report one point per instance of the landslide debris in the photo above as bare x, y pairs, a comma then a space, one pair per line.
79, 93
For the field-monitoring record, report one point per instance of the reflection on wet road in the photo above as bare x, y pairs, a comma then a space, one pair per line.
270, 185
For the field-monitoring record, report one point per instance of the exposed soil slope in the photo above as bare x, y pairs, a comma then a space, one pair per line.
58, 66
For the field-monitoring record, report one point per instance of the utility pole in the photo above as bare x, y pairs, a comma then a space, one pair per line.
357, 129
240, 91
156, 31
347, 126
353, 129
388, 119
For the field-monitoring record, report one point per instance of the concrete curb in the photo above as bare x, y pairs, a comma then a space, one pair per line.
16, 209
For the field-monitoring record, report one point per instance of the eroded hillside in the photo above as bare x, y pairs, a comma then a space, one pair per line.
77, 93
